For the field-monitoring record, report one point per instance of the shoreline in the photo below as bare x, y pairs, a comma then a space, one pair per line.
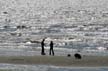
86, 61
53, 66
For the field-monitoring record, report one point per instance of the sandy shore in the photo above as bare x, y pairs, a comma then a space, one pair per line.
89, 59
86, 61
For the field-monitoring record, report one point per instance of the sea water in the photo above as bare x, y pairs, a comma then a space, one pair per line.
18, 67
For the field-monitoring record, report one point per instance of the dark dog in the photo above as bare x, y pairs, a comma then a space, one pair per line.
77, 56
68, 55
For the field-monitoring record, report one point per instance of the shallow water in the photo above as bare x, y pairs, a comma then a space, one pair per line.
18, 67
58, 52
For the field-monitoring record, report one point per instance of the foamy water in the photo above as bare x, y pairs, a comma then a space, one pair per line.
18, 67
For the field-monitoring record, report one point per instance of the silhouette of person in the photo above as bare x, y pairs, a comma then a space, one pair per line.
42, 46
51, 52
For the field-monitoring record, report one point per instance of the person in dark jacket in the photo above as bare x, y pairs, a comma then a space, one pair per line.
42, 46
51, 52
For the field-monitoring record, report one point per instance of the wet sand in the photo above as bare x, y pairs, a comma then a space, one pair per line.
86, 61
89, 59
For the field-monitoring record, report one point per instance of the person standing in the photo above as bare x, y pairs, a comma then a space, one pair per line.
51, 52
42, 46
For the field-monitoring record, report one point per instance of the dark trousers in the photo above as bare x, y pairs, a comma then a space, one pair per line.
51, 52
42, 51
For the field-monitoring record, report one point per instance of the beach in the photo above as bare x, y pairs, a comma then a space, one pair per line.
86, 61
25, 59
26, 56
